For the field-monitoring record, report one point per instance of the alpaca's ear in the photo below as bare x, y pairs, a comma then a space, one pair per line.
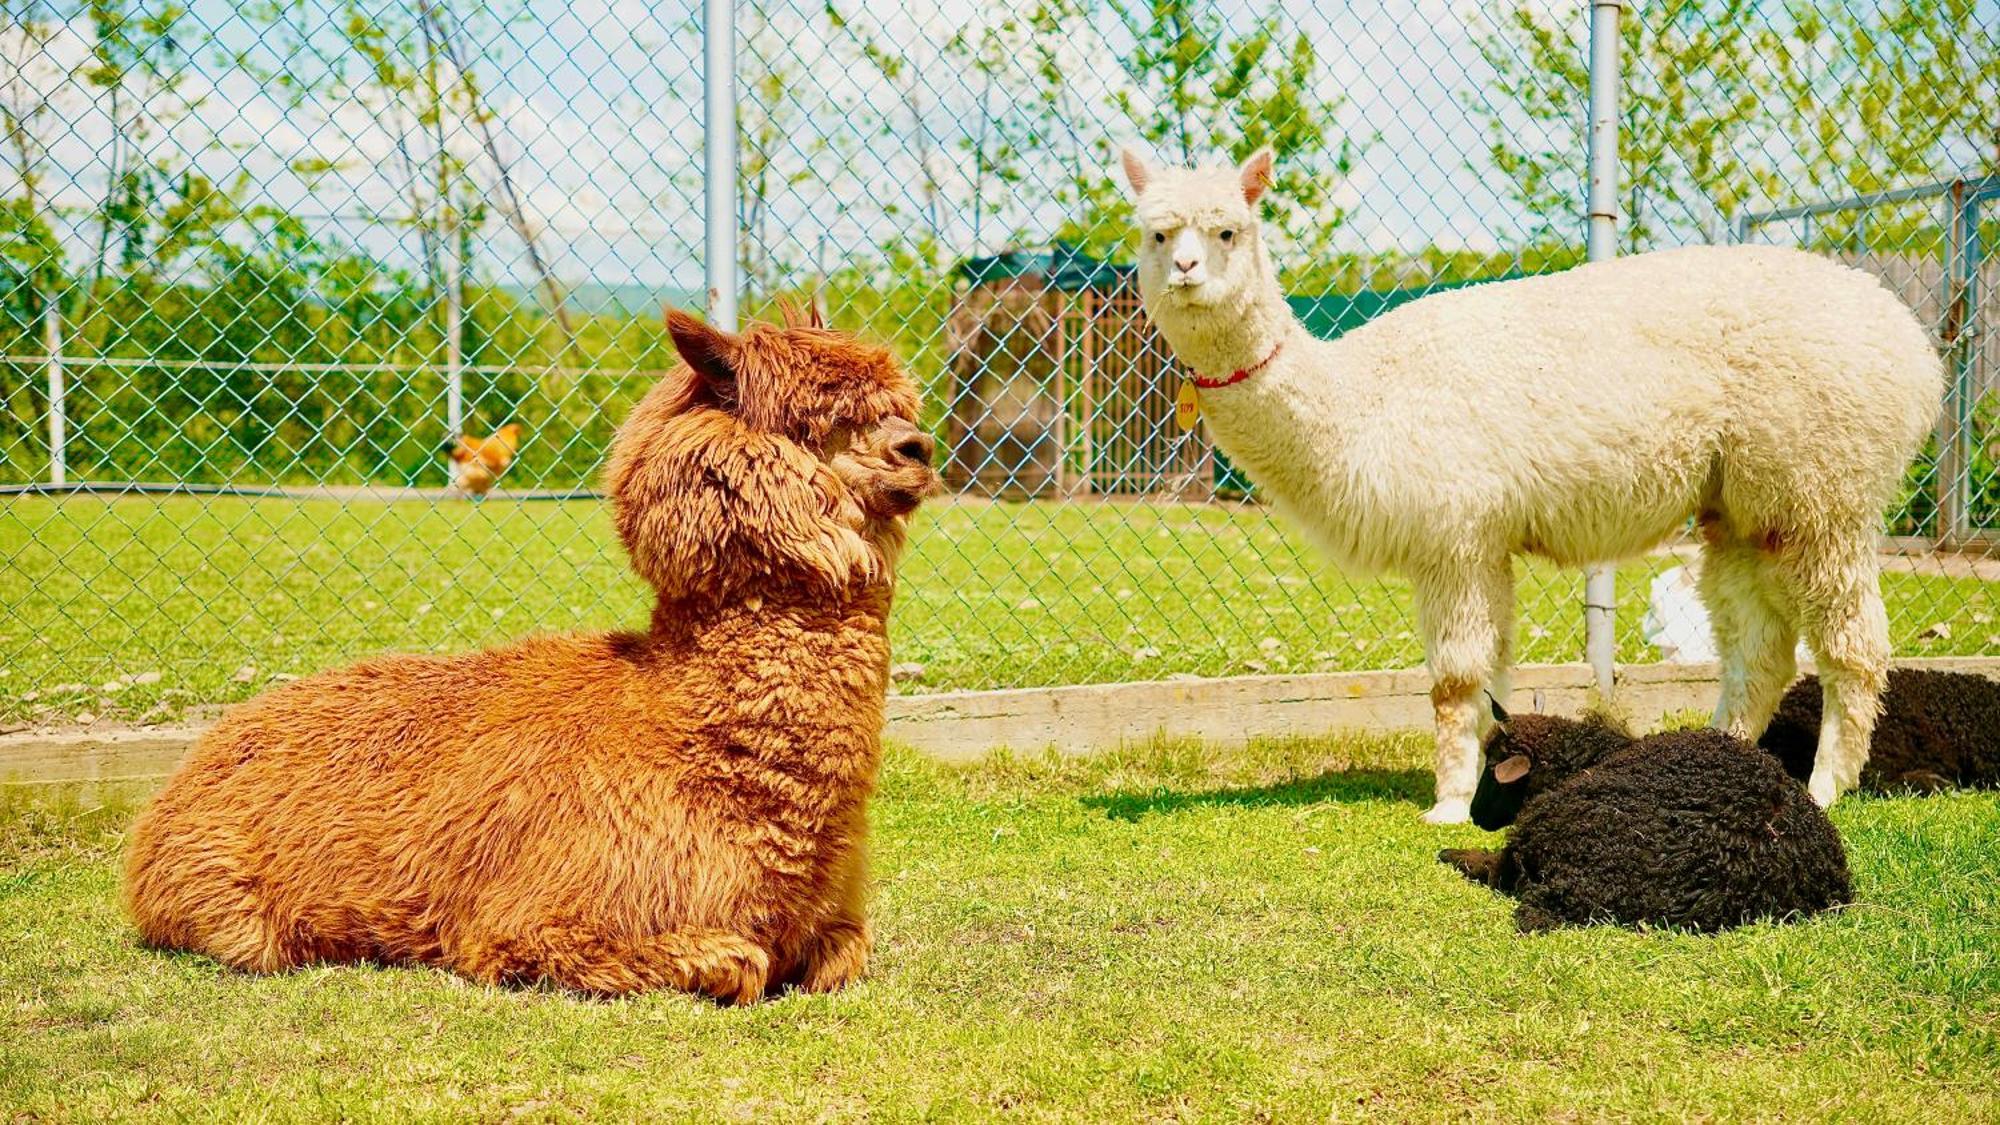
1512, 769
1256, 174
1137, 172
710, 351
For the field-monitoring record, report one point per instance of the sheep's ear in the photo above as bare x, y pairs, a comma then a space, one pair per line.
1511, 770
1499, 713
1256, 173
710, 351
1137, 172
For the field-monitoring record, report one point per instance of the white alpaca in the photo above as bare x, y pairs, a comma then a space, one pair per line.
1584, 417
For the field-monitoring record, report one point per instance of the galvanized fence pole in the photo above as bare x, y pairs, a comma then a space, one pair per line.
58, 417
718, 92
1961, 341
1600, 591
454, 350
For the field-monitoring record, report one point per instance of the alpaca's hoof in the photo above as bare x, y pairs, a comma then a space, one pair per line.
1823, 790
1449, 812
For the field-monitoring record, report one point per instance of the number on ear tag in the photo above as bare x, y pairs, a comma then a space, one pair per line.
1187, 406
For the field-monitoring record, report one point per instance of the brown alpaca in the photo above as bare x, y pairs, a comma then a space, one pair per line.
683, 808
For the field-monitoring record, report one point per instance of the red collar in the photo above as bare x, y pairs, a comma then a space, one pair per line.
1239, 374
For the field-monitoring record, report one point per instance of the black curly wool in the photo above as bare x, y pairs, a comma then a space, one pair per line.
1938, 730
1690, 829
1559, 748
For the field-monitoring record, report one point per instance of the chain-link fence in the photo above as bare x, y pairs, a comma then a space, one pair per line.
264, 265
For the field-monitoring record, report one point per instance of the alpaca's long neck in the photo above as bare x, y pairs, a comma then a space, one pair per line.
806, 672
1232, 335
807, 628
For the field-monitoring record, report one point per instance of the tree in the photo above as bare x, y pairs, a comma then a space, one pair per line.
1730, 105
448, 34
990, 53
35, 82
1885, 97
910, 81
1689, 101
777, 146
411, 65
1191, 86
139, 66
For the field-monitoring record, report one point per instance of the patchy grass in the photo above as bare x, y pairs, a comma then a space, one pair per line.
1169, 932
207, 599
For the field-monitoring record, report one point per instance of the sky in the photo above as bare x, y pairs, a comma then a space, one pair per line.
599, 116
599, 109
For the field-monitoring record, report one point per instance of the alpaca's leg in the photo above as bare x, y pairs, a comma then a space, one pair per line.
191, 894
714, 963
837, 955
1499, 592
1459, 646
1756, 633
1840, 605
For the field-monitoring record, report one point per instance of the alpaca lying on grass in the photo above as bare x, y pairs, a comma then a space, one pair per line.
683, 808
1695, 829
1582, 416
1938, 730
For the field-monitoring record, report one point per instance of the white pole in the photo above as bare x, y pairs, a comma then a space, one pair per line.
454, 347
718, 81
58, 418
1600, 592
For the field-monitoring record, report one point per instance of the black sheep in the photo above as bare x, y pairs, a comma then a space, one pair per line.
1938, 730
1693, 829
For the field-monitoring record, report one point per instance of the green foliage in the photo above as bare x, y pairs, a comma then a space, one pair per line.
1729, 105
1916, 511
1194, 86
30, 266
1687, 100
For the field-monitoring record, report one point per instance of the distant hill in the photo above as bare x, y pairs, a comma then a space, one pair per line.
618, 300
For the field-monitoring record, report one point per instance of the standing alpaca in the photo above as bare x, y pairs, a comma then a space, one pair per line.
682, 808
1583, 417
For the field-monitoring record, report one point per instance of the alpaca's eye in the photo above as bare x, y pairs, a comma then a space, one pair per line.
1227, 235
1159, 236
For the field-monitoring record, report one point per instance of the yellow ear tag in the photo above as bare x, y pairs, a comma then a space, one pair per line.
1187, 406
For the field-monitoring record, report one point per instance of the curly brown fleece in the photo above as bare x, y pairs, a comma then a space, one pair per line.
683, 808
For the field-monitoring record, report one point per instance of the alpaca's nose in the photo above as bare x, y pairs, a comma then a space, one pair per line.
1186, 266
917, 448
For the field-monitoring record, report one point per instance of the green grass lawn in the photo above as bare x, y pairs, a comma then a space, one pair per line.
1165, 933
207, 599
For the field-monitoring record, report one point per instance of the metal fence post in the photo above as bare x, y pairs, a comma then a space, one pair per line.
454, 351
1600, 590
718, 93
58, 417
1961, 343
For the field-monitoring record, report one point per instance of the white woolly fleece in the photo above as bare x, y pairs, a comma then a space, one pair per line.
1582, 416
